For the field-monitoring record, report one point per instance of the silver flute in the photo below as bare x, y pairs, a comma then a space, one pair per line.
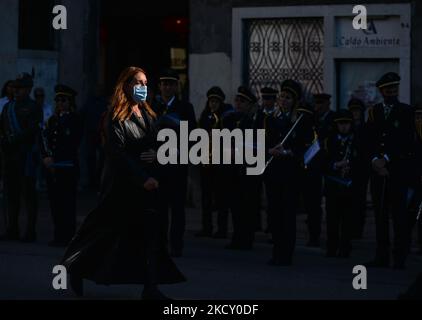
285, 139
419, 212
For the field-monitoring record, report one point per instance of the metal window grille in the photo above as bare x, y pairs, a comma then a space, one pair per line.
288, 48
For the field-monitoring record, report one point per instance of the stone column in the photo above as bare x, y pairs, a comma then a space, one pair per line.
72, 49
9, 26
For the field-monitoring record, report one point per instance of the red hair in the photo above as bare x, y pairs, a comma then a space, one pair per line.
121, 101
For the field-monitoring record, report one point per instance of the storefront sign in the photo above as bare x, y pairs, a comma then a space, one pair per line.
381, 33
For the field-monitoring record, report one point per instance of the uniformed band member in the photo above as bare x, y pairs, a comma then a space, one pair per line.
313, 175
416, 182
262, 120
175, 179
391, 135
268, 107
62, 137
324, 115
215, 197
362, 170
340, 168
283, 174
357, 108
244, 189
19, 129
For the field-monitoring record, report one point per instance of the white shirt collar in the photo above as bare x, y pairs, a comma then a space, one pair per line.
268, 112
390, 106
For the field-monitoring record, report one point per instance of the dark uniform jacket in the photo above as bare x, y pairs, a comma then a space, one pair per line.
20, 132
209, 120
262, 118
299, 141
62, 138
363, 148
237, 120
339, 148
28, 116
392, 137
181, 110
324, 125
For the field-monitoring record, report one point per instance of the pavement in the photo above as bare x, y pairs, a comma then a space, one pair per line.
213, 273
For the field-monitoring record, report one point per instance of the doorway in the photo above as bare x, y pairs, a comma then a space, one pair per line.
153, 37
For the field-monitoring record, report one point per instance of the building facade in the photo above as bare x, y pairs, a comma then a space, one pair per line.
261, 43
30, 44
101, 39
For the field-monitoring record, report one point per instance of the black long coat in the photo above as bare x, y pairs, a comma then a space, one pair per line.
392, 137
62, 137
124, 233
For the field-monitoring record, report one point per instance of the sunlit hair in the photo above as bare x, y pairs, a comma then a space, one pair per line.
122, 101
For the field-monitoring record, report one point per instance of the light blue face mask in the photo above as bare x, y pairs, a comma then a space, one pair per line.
140, 93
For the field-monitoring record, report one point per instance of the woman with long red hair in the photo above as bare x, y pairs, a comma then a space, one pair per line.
121, 241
